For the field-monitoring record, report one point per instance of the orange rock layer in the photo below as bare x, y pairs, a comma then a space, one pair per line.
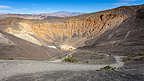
74, 31
77, 28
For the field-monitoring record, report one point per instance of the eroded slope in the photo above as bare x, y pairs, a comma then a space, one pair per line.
126, 39
71, 31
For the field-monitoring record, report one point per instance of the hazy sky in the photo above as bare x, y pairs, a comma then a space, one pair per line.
47, 6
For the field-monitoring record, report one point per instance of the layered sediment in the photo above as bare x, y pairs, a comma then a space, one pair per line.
70, 31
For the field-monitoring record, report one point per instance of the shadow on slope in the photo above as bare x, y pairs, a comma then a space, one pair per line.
21, 49
126, 39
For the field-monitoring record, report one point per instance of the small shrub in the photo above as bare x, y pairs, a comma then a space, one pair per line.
59, 57
87, 62
142, 57
10, 58
70, 59
126, 59
108, 68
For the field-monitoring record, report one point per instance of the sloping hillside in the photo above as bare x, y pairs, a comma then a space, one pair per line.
125, 39
115, 31
12, 47
72, 31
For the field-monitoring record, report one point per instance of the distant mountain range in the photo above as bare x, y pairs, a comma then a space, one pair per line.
42, 15
62, 14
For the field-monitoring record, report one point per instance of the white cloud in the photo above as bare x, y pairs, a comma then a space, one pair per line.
120, 3
125, 2
129, 0
4, 6
26, 10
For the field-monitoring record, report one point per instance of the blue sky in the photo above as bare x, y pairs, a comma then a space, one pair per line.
48, 6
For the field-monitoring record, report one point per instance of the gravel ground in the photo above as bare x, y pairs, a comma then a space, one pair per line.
19, 67
104, 75
25, 70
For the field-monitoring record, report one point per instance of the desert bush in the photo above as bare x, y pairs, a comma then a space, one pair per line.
108, 68
142, 57
10, 58
70, 59
125, 59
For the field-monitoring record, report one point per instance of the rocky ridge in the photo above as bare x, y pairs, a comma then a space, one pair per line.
106, 31
73, 31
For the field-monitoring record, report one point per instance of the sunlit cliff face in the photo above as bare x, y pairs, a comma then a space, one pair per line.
25, 32
76, 31
67, 47
69, 33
